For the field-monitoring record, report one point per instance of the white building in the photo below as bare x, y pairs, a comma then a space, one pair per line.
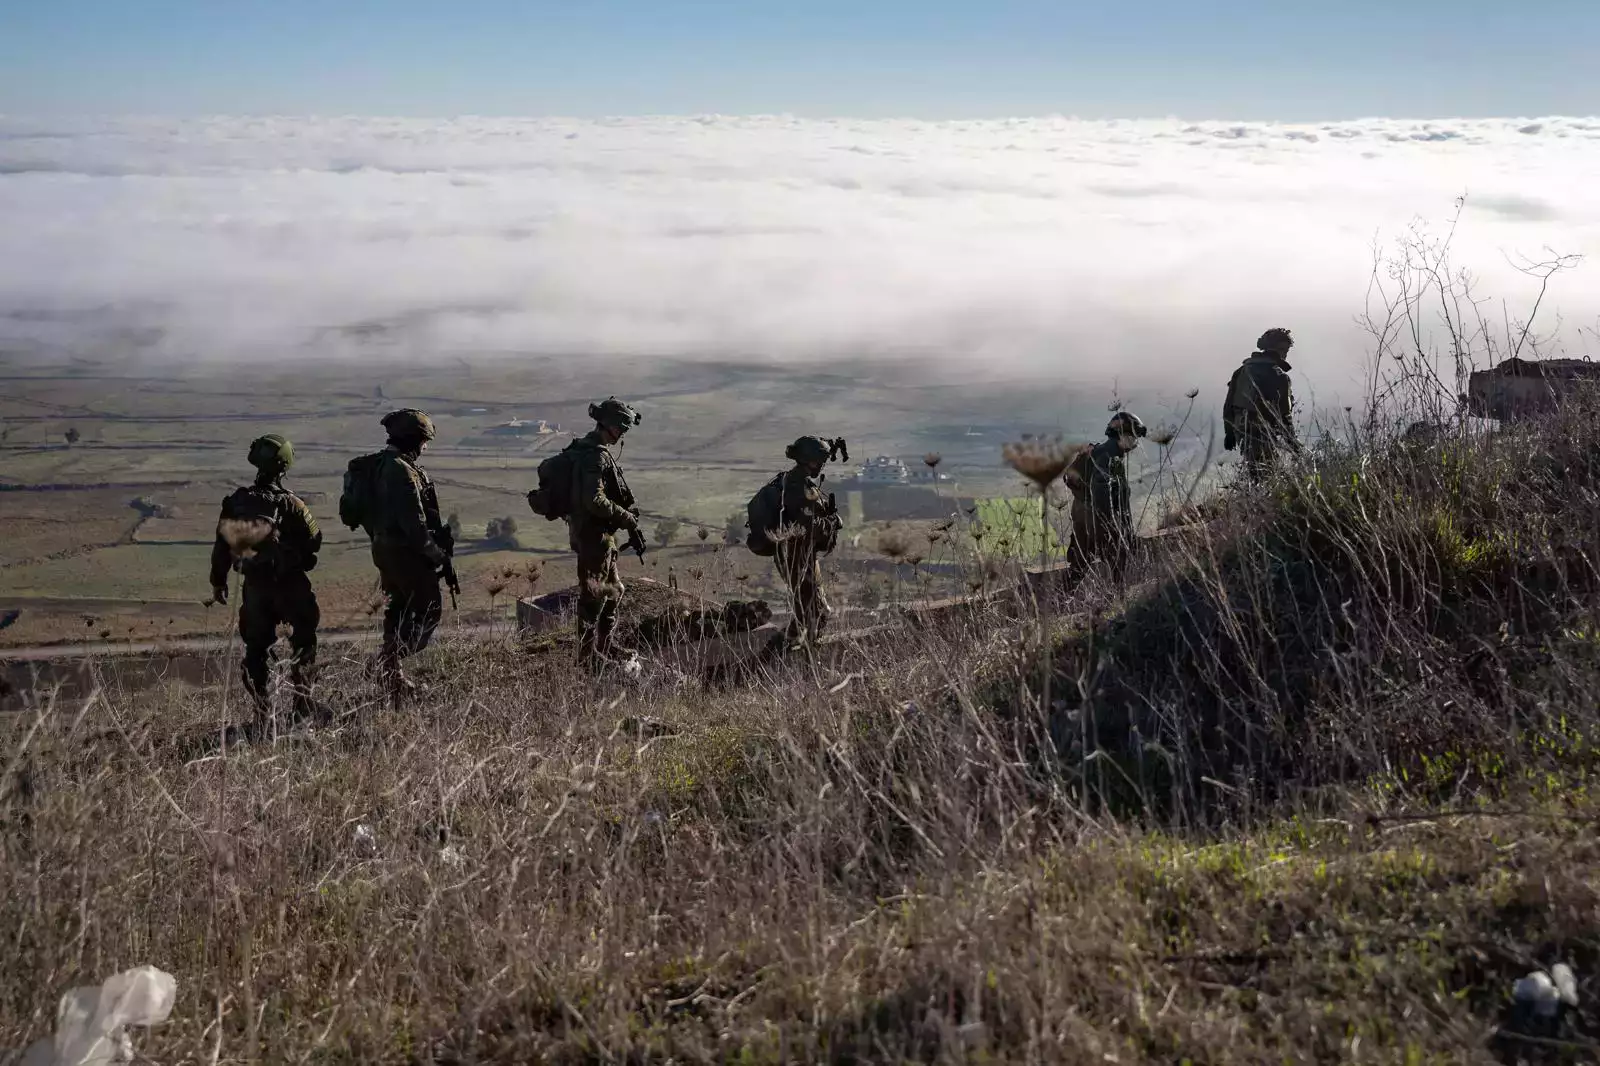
883, 470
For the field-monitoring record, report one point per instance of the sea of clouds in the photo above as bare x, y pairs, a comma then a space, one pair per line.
1156, 249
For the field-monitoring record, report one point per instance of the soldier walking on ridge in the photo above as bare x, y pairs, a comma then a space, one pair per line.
808, 529
602, 506
1102, 511
792, 522
1258, 413
269, 536
411, 543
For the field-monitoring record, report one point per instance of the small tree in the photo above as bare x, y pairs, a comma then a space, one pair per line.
667, 531
454, 522
501, 531
73, 436
734, 532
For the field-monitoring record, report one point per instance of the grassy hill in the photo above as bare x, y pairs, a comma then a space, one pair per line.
1316, 788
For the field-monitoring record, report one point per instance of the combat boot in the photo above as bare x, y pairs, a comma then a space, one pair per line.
255, 686
306, 706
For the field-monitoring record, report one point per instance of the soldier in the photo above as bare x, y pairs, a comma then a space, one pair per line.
1258, 414
808, 528
602, 507
1102, 512
411, 546
268, 534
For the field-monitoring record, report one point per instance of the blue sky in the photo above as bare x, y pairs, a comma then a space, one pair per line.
1292, 60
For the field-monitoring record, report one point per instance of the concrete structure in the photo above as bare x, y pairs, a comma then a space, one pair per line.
882, 470
1524, 388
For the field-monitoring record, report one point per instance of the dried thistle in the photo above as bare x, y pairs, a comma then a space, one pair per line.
944, 525
1164, 435
494, 586
933, 459
245, 535
1192, 393
1041, 461
531, 574
703, 533
914, 559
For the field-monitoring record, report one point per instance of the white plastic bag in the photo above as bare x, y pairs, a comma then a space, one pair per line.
91, 1021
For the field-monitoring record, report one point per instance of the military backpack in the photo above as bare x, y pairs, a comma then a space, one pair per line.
763, 515
552, 500
358, 503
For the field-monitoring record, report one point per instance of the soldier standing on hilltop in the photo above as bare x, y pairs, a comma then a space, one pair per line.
269, 536
1258, 414
602, 506
792, 521
390, 496
1102, 509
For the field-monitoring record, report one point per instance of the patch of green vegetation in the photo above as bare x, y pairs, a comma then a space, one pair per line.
1013, 527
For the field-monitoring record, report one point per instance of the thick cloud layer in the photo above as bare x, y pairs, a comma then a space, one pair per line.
1145, 248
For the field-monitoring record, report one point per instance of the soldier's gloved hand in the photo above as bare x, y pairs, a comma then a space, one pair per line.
434, 554
635, 511
219, 593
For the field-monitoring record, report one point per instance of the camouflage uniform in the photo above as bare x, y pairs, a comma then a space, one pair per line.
1102, 507
1258, 414
270, 537
602, 507
807, 530
410, 545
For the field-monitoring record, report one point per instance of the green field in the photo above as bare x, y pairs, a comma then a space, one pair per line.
176, 437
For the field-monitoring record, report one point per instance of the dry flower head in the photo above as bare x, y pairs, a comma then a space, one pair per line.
1040, 460
245, 535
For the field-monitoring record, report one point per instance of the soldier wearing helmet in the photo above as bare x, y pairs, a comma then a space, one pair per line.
603, 506
1258, 413
1102, 510
268, 534
411, 546
807, 529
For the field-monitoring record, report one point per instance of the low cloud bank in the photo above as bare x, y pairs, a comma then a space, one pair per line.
1153, 250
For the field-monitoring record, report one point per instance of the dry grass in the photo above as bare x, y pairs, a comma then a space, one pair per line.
1318, 791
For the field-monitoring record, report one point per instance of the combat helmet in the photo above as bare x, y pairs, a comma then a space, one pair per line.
810, 449
614, 414
271, 452
1277, 339
408, 423
1125, 422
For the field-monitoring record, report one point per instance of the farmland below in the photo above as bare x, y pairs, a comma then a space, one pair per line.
111, 473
